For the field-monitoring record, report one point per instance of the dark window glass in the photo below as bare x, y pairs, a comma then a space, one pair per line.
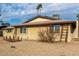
51, 29
9, 30
23, 30
57, 28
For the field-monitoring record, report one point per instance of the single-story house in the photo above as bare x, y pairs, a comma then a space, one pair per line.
64, 30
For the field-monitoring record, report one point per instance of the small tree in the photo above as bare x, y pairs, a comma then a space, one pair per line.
46, 36
77, 16
6, 24
56, 16
2, 23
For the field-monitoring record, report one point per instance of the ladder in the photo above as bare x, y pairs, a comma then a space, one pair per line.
64, 33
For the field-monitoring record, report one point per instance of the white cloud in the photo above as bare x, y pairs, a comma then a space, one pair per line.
15, 10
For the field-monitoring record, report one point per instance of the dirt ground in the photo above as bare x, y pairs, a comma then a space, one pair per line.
34, 48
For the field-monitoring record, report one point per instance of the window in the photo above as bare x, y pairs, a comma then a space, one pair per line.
51, 29
23, 30
9, 30
57, 28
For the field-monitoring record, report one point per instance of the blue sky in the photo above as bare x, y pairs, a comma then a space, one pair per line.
16, 13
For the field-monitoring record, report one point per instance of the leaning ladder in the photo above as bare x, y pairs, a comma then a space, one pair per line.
64, 33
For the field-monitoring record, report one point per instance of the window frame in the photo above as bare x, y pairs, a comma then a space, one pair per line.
55, 26
23, 29
9, 30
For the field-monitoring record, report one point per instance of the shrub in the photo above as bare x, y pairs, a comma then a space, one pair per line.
15, 39
46, 36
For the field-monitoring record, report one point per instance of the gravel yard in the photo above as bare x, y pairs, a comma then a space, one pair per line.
34, 48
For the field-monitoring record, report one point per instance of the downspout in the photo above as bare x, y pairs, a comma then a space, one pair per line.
77, 28
69, 37
60, 32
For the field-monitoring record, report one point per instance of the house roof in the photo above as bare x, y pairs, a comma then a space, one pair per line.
44, 17
46, 23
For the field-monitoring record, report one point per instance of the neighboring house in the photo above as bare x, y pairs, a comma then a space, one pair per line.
8, 32
65, 30
1, 32
3, 25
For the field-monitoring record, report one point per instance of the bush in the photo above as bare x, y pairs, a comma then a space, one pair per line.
46, 36
15, 39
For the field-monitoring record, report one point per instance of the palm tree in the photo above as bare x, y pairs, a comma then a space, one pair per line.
39, 8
